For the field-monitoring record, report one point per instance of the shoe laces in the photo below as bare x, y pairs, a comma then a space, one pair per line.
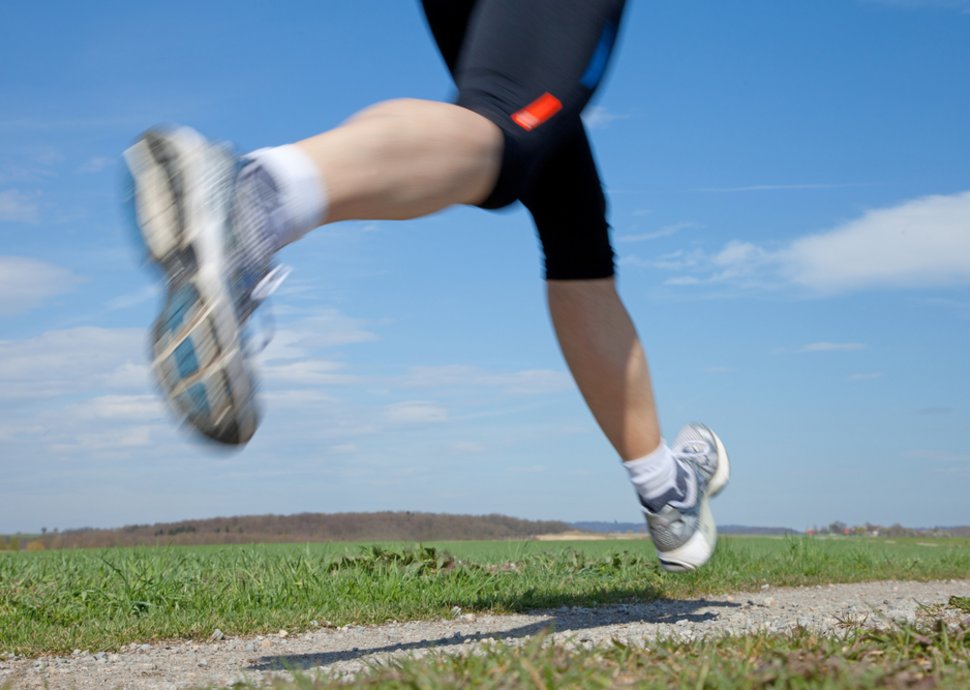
256, 276
267, 323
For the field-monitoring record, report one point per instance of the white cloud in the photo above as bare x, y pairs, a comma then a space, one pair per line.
935, 410
415, 412
121, 408
961, 6
131, 299
958, 307
81, 393
776, 187
682, 280
718, 370
530, 469
527, 382
938, 455
17, 207
313, 371
297, 399
113, 441
665, 231
680, 260
598, 117
739, 261
324, 328
95, 164
831, 347
467, 448
26, 283
921, 243
866, 376
84, 360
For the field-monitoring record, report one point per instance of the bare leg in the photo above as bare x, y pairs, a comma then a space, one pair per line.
603, 352
406, 158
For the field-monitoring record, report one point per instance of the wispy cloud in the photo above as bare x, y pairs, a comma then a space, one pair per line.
935, 410
95, 164
527, 382
718, 370
831, 347
665, 231
27, 283
415, 412
71, 123
866, 376
777, 187
85, 360
681, 260
313, 371
140, 408
961, 6
132, 299
17, 207
598, 117
467, 448
958, 307
322, 328
921, 243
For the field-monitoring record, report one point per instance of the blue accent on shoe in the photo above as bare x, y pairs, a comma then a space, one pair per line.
186, 359
180, 304
199, 399
597, 63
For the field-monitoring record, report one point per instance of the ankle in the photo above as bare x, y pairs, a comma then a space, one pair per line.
292, 188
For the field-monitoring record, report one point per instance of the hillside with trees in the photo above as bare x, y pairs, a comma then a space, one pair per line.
307, 527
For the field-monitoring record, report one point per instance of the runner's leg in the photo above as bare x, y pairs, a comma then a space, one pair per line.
404, 159
522, 49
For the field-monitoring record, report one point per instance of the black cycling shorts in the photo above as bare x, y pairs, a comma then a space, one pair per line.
531, 66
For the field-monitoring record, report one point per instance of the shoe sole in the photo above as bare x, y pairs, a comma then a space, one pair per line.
697, 550
196, 348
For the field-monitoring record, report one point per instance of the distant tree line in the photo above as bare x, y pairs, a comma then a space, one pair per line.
382, 526
895, 530
311, 527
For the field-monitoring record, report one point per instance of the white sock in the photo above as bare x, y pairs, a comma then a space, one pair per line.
654, 476
300, 197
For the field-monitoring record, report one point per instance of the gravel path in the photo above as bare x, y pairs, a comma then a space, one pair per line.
351, 648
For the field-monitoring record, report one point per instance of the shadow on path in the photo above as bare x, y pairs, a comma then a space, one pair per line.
564, 619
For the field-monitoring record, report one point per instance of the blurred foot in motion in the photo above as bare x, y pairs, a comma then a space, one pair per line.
216, 271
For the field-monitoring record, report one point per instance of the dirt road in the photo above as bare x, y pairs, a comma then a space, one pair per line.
347, 650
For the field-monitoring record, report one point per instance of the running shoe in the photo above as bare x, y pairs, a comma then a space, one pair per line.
683, 531
182, 190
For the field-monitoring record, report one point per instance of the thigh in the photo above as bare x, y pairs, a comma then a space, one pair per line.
531, 66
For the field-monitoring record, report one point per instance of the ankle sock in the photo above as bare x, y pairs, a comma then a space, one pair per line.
659, 478
282, 184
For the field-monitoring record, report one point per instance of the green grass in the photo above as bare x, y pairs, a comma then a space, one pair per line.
932, 655
58, 601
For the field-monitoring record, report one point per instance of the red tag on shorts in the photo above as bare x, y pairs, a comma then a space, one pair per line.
537, 112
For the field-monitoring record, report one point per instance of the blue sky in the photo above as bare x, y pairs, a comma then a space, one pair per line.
791, 210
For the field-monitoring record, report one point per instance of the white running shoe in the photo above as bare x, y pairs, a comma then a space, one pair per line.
182, 195
684, 532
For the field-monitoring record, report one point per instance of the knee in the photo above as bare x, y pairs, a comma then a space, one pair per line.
415, 117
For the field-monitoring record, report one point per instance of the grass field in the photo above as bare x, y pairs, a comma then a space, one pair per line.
57, 601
